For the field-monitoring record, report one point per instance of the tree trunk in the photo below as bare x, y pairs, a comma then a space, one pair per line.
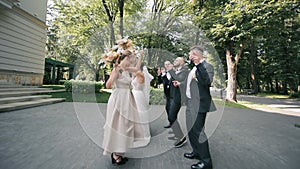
111, 19
197, 36
258, 86
121, 9
112, 34
232, 63
298, 83
121, 27
277, 86
271, 86
149, 50
252, 64
231, 82
97, 76
284, 85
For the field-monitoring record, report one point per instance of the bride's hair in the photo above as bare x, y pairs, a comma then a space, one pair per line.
124, 54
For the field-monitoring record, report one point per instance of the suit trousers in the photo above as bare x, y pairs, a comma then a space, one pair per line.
173, 114
168, 105
195, 122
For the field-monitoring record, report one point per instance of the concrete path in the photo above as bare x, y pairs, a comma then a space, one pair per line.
67, 136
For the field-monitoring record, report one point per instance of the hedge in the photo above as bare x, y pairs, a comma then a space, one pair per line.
83, 86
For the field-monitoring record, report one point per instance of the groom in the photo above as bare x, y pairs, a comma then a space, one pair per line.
199, 102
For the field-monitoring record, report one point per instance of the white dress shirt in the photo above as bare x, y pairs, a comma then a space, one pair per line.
190, 77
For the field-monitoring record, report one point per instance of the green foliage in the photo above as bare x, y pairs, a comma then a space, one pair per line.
82, 86
157, 96
294, 95
266, 31
159, 47
73, 35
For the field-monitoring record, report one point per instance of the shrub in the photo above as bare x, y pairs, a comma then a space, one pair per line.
157, 96
295, 95
83, 86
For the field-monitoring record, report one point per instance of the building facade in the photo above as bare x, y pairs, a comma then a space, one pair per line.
22, 41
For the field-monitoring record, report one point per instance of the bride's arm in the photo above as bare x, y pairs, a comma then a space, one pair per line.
113, 76
138, 64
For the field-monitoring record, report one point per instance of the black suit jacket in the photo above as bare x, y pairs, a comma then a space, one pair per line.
201, 100
204, 75
175, 92
166, 83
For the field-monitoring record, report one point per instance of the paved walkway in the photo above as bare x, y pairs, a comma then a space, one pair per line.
273, 105
67, 135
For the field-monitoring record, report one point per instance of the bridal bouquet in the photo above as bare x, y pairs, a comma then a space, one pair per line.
113, 54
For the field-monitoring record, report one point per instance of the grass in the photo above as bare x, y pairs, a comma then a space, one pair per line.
240, 105
279, 96
274, 96
103, 95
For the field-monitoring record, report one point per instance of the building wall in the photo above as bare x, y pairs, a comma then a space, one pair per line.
22, 42
37, 8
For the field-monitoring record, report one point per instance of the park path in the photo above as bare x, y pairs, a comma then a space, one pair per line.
273, 105
66, 136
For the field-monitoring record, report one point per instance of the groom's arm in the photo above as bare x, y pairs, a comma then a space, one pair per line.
204, 74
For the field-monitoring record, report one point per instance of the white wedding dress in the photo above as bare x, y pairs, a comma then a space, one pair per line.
141, 96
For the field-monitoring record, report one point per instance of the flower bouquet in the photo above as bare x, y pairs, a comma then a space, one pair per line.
113, 55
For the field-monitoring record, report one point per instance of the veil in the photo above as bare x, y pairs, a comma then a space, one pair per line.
148, 78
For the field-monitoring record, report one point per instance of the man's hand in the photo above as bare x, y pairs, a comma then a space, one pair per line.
176, 83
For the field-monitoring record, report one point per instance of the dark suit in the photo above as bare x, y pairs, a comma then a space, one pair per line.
175, 99
197, 107
166, 84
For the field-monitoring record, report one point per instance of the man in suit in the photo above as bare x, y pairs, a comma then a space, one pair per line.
179, 73
164, 77
199, 102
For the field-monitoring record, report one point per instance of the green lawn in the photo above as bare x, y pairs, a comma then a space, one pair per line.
275, 96
155, 98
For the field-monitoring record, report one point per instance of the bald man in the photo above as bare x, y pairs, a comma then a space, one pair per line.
179, 73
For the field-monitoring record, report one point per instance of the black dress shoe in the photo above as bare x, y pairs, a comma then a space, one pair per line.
201, 165
180, 143
191, 156
168, 126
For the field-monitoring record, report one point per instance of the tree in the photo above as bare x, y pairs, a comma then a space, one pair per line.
70, 30
233, 25
111, 9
